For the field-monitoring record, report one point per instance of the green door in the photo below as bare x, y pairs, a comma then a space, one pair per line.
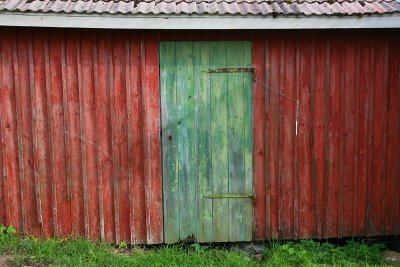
206, 141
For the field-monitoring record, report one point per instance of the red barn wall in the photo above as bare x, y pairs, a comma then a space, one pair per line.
339, 176
80, 139
80, 134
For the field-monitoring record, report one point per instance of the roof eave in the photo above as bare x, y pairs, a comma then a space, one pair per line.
196, 22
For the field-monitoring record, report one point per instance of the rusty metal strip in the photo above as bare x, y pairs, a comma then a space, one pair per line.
230, 195
251, 70
231, 70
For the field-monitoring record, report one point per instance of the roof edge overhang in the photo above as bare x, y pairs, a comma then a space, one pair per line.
196, 22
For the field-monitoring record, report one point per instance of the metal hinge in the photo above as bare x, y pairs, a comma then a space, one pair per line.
230, 195
252, 70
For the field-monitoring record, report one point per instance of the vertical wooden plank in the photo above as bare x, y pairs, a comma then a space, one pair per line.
120, 134
274, 65
104, 130
288, 135
152, 147
42, 142
50, 148
11, 169
219, 149
201, 57
379, 134
334, 138
170, 139
185, 128
24, 100
342, 159
114, 132
397, 216
131, 193
267, 118
73, 134
305, 196
97, 147
365, 98
349, 125
138, 226
236, 105
61, 203
327, 152
259, 129
318, 147
370, 116
19, 136
393, 116
87, 102
248, 215
2, 191
82, 149
355, 179
9, 142
38, 192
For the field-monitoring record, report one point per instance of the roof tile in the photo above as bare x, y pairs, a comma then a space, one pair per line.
200, 7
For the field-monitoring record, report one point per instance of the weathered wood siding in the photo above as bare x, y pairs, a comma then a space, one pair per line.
339, 176
80, 142
206, 141
80, 134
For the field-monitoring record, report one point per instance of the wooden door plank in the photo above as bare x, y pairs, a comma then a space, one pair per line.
169, 141
202, 118
185, 125
248, 142
219, 146
235, 112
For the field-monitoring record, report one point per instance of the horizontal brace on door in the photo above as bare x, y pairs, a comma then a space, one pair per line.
231, 195
231, 70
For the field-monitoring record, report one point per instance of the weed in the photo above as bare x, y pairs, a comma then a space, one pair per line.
6, 232
122, 245
199, 248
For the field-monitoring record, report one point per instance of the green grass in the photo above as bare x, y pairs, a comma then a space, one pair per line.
31, 251
311, 253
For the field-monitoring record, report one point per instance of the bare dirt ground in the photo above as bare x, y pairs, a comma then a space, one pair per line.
391, 257
3, 260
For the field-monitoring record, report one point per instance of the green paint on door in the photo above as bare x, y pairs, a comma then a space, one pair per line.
206, 141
